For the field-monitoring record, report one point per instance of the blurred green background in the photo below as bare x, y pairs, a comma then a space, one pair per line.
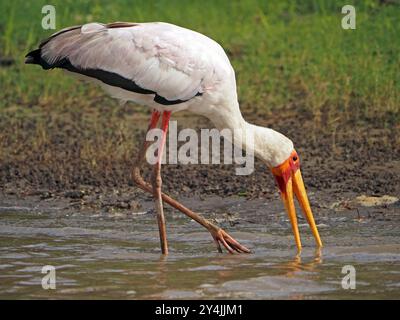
284, 52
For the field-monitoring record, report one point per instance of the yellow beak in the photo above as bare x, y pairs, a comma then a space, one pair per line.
295, 184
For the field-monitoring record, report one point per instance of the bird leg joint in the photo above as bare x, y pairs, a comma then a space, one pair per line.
157, 181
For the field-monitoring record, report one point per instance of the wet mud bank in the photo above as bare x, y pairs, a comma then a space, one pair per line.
70, 158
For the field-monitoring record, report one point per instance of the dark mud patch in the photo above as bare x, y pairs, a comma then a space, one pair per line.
81, 154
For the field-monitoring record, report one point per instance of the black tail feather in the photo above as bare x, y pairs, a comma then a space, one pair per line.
33, 57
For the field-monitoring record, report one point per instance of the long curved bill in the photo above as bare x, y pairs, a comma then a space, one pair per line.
295, 185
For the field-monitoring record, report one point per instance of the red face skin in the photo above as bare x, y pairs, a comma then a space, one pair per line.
284, 171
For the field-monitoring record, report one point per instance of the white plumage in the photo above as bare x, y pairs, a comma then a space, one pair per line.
156, 56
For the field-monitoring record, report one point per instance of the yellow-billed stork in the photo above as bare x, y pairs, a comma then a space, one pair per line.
169, 68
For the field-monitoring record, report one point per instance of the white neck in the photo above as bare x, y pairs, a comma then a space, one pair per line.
268, 145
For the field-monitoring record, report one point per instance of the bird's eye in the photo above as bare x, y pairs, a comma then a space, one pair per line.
294, 158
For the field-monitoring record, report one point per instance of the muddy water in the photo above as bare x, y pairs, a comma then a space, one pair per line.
116, 254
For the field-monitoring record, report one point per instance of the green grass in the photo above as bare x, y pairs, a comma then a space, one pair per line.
286, 53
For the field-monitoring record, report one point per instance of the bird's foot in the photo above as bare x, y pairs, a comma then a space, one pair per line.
222, 237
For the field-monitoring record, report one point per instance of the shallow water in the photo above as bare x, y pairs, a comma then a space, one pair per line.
116, 255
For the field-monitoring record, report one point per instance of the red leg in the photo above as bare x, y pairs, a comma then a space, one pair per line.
155, 116
157, 182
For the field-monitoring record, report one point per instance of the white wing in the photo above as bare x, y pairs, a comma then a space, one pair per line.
172, 62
